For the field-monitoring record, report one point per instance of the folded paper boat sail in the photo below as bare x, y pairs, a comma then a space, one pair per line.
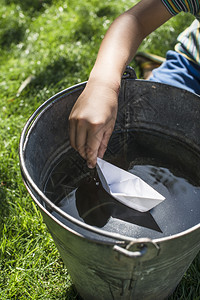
127, 188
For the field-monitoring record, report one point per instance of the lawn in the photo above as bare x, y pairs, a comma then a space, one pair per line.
52, 45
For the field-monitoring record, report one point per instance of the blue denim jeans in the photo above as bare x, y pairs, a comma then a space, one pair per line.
178, 71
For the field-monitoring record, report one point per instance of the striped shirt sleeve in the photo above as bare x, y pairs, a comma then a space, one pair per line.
176, 6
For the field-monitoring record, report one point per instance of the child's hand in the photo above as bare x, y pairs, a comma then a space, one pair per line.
92, 120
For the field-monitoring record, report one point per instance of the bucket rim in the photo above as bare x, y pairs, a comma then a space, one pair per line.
31, 185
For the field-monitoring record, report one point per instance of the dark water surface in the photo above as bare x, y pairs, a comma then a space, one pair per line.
166, 164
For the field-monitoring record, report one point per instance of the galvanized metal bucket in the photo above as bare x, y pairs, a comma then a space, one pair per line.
104, 264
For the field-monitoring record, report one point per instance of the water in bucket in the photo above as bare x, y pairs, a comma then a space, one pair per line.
166, 164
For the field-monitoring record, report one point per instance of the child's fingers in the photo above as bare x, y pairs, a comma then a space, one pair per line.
81, 139
94, 138
72, 133
104, 143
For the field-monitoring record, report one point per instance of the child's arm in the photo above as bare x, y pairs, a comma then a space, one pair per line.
93, 116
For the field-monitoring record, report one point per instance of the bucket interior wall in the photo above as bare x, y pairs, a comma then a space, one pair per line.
48, 136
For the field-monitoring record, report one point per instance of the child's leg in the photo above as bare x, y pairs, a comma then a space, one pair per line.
178, 71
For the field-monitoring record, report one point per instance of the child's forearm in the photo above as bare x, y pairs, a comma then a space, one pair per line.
117, 50
123, 39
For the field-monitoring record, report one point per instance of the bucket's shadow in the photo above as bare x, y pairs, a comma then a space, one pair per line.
30, 6
70, 294
4, 206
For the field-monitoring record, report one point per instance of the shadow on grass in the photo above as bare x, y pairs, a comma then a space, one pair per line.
71, 294
189, 287
107, 10
30, 6
13, 34
53, 73
4, 207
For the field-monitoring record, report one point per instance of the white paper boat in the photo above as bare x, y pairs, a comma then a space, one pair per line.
127, 188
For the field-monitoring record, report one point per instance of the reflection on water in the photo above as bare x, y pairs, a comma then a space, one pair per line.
95, 206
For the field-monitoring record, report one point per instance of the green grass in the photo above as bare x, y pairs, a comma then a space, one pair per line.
56, 43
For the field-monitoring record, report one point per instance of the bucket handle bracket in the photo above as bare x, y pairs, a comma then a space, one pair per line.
140, 248
129, 73
131, 254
